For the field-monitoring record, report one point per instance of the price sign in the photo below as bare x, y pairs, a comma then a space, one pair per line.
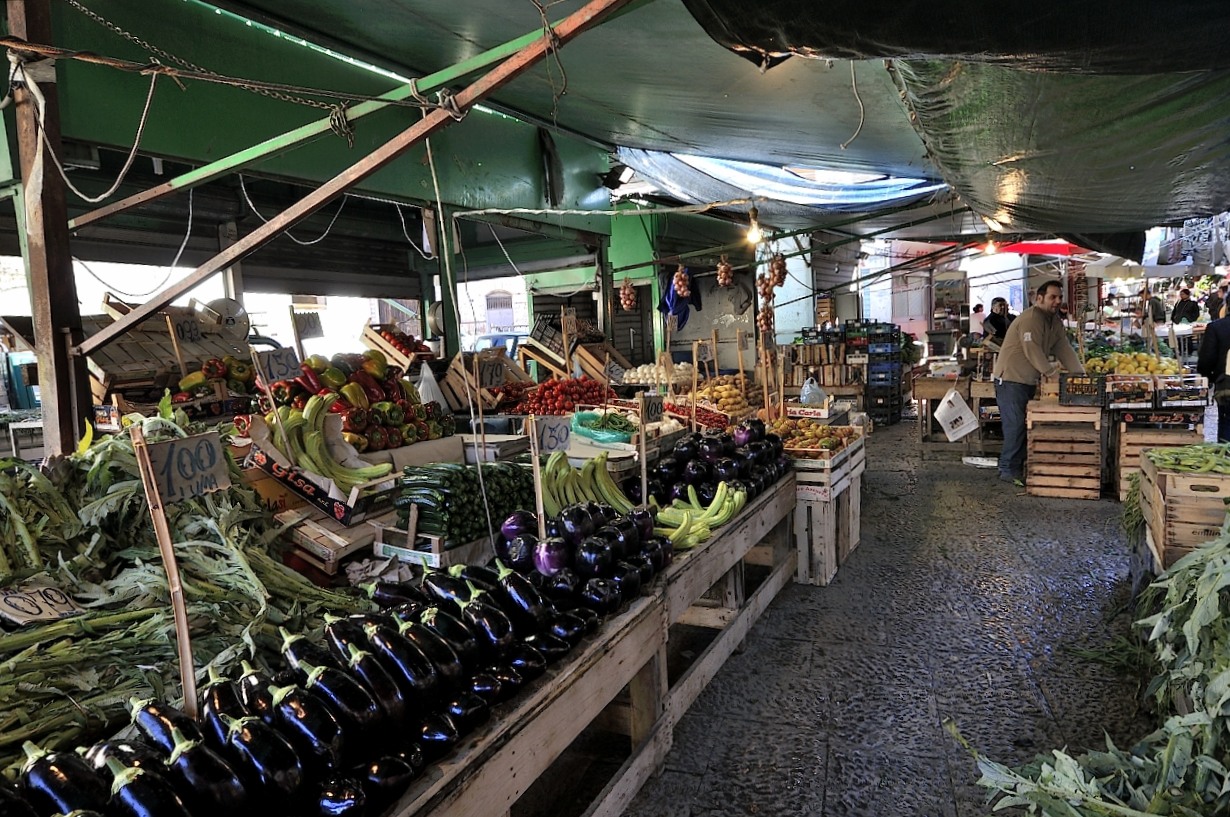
308, 325
553, 433
569, 321
652, 408
490, 374
189, 467
745, 340
704, 351
188, 330
279, 364
36, 601
672, 323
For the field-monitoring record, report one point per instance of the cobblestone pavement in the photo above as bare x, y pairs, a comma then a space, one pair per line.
966, 599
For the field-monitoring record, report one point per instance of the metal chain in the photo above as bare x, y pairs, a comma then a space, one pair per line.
337, 112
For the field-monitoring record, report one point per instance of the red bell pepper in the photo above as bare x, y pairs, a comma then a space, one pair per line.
282, 392
394, 436
369, 384
213, 369
377, 439
299, 401
309, 377
354, 420
243, 422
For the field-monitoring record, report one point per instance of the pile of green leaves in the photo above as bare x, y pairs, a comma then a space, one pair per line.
1181, 768
90, 534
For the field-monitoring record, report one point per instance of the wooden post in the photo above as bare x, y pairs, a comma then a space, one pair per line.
64, 386
187, 668
531, 426
695, 378
478, 398
179, 353
715, 353
739, 335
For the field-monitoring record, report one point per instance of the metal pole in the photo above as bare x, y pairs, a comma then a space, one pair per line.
64, 387
433, 121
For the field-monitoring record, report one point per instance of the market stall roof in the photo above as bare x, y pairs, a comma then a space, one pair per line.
1112, 266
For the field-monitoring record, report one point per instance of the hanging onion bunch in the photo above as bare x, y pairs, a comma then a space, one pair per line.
777, 269
725, 273
765, 317
683, 283
627, 296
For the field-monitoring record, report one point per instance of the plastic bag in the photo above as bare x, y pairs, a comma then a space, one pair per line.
955, 417
428, 390
602, 435
811, 394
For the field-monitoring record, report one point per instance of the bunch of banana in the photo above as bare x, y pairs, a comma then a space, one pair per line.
305, 436
563, 485
687, 524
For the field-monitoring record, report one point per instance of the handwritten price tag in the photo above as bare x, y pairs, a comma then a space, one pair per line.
569, 321
188, 330
704, 351
745, 340
490, 374
279, 364
189, 467
36, 601
553, 434
652, 407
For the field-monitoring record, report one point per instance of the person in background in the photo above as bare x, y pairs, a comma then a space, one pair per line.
1185, 309
995, 327
1032, 339
1156, 306
1212, 362
976, 317
1215, 301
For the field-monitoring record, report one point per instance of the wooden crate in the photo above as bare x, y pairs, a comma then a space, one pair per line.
826, 532
1063, 451
322, 541
1182, 510
1134, 441
461, 381
429, 551
372, 339
824, 480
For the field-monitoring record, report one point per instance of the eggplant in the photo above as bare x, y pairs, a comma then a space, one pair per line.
660, 551
204, 779
620, 541
391, 594
340, 634
413, 755
266, 758
708, 450
518, 552
310, 727
509, 679
725, 469
643, 520
489, 622
568, 627
406, 611
341, 797
435, 649
601, 595
297, 649
627, 578
254, 692
644, 565
53, 782
518, 523
553, 529
685, 450
220, 698
527, 661
706, 492
591, 619
679, 490
467, 711
551, 555
562, 588
139, 792
437, 735
775, 444
696, 472
387, 689
385, 778
156, 721
487, 686
484, 578
445, 589
575, 523
13, 805
667, 469
594, 557
455, 633
632, 490
361, 717
127, 752
551, 648
526, 607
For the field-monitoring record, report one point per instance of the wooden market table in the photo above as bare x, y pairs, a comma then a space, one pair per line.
929, 391
619, 676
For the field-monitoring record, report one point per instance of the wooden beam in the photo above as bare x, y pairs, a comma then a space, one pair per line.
64, 388
433, 121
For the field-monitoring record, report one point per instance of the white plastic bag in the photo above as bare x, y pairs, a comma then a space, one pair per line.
955, 416
811, 394
428, 390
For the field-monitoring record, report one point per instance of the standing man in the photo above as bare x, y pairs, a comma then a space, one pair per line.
1215, 301
995, 327
1212, 362
1151, 305
1185, 310
1032, 339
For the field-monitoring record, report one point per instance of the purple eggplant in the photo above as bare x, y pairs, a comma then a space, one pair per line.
297, 649
509, 679
667, 469
54, 782
310, 726
340, 634
627, 578
412, 673
487, 620
436, 649
519, 523
220, 698
575, 523
526, 607
262, 755
254, 692
358, 712
467, 711
341, 797
455, 633
140, 792
551, 555
205, 780
562, 589
518, 552
486, 686
383, 686
391, 594
591, 619
644, 566
13, 804
568, 627
445, 589
594, 557
548, 646
156, 721
621, 543
437, 735
601, 595
660, 551
385, 778
484, 578
643, 520
527, 661
127, 752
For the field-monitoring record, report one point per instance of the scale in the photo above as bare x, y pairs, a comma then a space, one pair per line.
224, 316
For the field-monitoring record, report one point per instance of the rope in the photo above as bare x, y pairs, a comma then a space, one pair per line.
404, 231
244, 189
553, 47
862, 112
170, 270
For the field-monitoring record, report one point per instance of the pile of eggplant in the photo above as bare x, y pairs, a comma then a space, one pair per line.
347, 724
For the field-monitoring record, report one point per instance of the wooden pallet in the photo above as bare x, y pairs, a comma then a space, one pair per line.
1182, 510
1134, 441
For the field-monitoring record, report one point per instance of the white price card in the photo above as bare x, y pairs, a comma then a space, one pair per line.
279, 364
652, 407
745, 340
704, 351
188, 330
490, 373
189, 467
553, 433
36, 600
569, 321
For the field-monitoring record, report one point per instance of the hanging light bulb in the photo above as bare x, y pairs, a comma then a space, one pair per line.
754, 234
990, 248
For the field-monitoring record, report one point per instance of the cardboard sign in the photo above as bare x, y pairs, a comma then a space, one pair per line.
36, 601
651, 409
189, 467
188, 330
569, 321
745, 340
279, 364
308, 326
490, 374
554, 433
704, 351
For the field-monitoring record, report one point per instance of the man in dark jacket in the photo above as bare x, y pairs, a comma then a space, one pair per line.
1185, 310
1211, 362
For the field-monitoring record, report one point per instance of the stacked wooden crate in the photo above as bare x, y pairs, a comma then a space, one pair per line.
828, 513
1182, 510
1134, 441
1063, 451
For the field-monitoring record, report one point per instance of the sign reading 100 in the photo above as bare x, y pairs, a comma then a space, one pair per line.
189, 467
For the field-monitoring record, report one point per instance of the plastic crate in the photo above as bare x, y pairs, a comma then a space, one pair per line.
884, 378
882, 348
1182, 390
1130, 391
1082, 390
889, 366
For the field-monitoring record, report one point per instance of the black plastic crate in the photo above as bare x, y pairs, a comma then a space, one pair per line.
1082, 390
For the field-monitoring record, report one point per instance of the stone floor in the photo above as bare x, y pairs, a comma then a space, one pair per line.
965, 600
